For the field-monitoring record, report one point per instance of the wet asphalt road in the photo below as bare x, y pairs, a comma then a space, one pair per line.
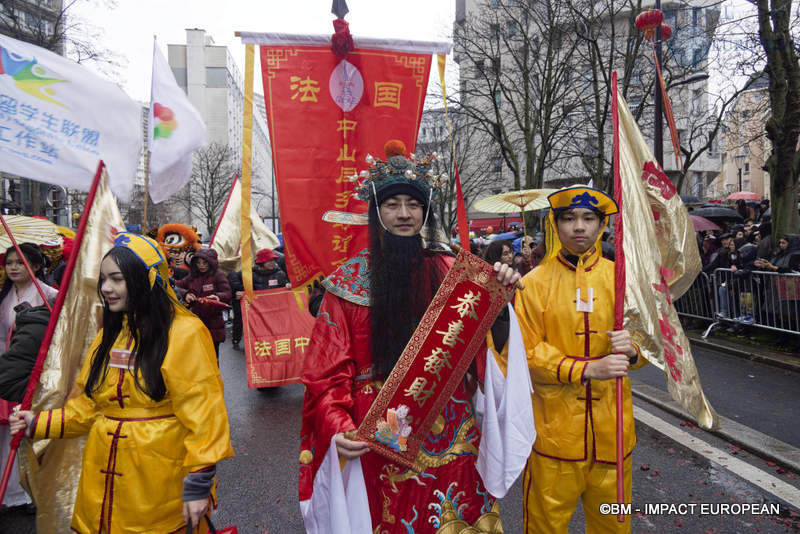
754, 394
258, 488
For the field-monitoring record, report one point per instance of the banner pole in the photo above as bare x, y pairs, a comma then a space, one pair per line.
33, 381
619, 290
146, 191
247, 151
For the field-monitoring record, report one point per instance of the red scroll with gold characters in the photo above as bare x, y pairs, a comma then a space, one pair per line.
451, 332
325, 114
277, 330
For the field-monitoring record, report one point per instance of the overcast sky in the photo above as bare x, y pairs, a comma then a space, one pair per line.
129, 27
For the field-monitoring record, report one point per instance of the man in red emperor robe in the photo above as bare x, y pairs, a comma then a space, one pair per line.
372, 306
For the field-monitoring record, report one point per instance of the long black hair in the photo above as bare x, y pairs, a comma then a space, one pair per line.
401, 288
150, 313
35, 258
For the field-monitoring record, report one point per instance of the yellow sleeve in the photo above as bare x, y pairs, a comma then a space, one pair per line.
76, 417
548, 364
195, 389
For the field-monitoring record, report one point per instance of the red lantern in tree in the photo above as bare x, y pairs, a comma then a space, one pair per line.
648, 21
666, 32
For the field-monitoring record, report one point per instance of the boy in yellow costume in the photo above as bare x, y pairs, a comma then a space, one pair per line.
566, 313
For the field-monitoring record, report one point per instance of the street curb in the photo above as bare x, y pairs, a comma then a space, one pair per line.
775, 360
751, 440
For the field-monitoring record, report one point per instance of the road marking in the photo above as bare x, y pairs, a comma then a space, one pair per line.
760, 478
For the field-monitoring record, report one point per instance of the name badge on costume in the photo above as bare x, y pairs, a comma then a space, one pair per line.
272, 283
584, 305
122, 359
208, 287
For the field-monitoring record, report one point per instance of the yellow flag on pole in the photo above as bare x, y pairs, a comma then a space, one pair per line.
653, 213
50, 469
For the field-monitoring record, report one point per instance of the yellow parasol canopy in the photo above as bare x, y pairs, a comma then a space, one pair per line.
512, 201
28, 229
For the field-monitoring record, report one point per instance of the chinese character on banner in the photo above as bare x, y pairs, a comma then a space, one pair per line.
301, 343
466, 304
283, 346
418, 392
454, 328
437, 360
306, 88
263, 349
387, 94
671, 349
345, 126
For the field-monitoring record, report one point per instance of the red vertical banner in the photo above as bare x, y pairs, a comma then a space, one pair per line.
325, 114
277, 330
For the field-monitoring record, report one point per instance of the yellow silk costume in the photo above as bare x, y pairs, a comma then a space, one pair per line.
574, 454
139, 450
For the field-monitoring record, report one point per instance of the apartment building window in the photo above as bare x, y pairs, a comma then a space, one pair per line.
497, 164
511, 29
498, 98
494, 30
697, 98
746, 167
696, 15
479, 66
495, 4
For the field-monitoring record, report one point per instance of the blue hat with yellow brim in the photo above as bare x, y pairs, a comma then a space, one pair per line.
581, 196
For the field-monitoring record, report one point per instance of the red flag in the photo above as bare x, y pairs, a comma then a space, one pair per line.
277, 330
325, 114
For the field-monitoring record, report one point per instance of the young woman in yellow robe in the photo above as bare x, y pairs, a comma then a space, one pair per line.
152, 405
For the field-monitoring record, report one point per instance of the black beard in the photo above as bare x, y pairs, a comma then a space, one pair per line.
401, 287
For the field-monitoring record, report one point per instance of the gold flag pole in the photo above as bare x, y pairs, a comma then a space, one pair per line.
247, 151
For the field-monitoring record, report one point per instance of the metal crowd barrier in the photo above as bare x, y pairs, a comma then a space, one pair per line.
756, 298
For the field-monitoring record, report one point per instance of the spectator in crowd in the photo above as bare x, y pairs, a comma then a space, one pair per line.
762, 208
207, 289
749, 226
785, 260
520, 265
741, 208
537, 254
708, 249
501, 251
17, 362
720, 260
18, 288
730, 259
765, 249
266, 275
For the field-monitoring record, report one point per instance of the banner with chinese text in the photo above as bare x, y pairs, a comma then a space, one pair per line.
277, 329
325, 115
449, 335
58, 119
652, 213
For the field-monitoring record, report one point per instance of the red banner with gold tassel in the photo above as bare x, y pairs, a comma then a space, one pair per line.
326, 113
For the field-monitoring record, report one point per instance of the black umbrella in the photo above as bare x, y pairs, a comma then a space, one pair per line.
718, 213
690, 199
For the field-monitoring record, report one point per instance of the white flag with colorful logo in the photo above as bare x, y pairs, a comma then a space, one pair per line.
57, 119
176, 129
